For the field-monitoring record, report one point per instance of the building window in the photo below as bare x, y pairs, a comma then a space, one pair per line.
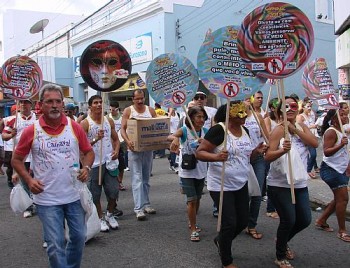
324, 11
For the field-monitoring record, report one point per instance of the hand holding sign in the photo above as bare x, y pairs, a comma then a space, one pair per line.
105, 66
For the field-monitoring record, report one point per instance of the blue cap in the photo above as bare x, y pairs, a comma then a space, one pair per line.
69, 106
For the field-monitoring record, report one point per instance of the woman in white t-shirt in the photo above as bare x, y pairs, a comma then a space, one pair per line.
293, 217
333, 172
236, 158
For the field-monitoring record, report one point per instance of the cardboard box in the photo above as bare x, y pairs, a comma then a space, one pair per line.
149, 133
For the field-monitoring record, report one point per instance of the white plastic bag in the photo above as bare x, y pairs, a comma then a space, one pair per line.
86, 200
19, 199
253, 185
281, 165
93, 226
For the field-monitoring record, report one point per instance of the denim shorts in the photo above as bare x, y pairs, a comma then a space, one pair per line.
192, 188
110, 184
332, 177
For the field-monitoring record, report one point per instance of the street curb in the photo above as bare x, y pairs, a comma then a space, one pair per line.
316, 203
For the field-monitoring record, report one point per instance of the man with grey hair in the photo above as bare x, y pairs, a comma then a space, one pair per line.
55, 151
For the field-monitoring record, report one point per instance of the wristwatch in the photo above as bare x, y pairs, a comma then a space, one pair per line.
88, 168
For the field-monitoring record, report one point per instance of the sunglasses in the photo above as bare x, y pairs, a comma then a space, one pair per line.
293, 106
201, 97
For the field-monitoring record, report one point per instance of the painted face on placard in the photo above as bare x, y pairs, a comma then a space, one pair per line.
102, 67
105, 65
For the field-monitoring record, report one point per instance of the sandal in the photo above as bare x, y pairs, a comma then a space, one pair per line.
283, 264
344, 236
122, 187
324, 227
253, 233
273, 215
198, 229
195, 237
290, 254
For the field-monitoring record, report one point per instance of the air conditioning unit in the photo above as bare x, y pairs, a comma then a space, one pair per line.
342, 50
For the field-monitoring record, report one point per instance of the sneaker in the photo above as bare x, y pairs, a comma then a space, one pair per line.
264, 198
150, 210
104, 226
117, 212
172, 168
111, 220
273, 215
215, 213
45, 244
140, 215
27, 214
127, 169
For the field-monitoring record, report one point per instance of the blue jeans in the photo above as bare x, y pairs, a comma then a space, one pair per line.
235, 213
140, 164
311, 161
63, 254
293, 217
259, 166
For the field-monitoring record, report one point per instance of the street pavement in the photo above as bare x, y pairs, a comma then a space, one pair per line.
163, 239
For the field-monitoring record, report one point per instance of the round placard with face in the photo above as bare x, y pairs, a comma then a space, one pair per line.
172, 80
222, 70
275, 40
21, 78
105, 65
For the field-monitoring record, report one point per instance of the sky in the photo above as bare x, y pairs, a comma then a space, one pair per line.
73, 7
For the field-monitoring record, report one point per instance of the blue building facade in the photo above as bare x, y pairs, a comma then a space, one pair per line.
180, 27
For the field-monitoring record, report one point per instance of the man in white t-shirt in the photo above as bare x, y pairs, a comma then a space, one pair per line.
200, 99
257, 103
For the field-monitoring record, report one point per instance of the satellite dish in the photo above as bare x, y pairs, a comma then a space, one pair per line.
39, 27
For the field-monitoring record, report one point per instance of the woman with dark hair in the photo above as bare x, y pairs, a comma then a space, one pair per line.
192, 173
293, 217
236, 158
333, 172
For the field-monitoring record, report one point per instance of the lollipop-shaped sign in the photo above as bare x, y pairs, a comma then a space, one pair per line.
318, 85
221, 69
21, 78
105, 65
172, 80
275, 40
